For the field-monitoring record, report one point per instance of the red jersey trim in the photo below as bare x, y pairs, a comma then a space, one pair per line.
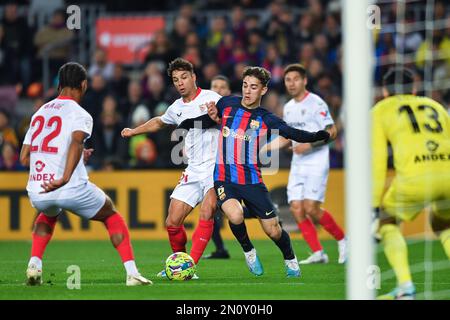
196, 95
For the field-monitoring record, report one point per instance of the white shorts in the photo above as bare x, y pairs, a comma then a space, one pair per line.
85, 201
310, 187
192, 188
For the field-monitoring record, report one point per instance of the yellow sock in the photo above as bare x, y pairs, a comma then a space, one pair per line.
396, 252
445, 240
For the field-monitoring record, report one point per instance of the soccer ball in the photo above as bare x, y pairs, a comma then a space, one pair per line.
180, 266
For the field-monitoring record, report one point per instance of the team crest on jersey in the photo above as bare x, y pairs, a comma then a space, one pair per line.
203, 107
225, 131
254, 124
221, 193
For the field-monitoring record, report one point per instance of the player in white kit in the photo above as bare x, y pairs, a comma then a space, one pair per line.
310, 165
196, 184
53, 148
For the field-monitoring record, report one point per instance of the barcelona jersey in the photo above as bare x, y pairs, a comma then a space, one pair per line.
242, 132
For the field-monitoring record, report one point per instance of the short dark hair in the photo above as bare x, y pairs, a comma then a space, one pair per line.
223, 78
71, 75
399, 80
295, 67
259, 73
179, 64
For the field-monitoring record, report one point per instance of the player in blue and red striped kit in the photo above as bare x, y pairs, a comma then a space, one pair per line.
237, 175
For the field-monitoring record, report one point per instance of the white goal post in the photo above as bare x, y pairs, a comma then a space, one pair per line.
358, 97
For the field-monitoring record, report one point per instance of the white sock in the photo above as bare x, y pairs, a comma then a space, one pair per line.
294, 262
251, 252
130, 267
37, 261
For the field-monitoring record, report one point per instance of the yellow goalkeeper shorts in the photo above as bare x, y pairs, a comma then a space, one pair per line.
408, 196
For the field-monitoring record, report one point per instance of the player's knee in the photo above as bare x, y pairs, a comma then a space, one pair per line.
297, 211
207, 213
173, 222
311, 210
273, 231
235, 218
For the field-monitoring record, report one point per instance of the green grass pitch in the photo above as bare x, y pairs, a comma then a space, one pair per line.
103, 276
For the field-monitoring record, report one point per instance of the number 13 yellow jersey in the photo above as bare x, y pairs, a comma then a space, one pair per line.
418, 129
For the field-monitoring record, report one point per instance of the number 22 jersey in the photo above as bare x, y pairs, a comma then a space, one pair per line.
49, 137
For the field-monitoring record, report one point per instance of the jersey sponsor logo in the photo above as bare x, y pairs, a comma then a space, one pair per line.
431, 157
179, 114
254, 124
39, 165
432, 146
269, 213
42, 177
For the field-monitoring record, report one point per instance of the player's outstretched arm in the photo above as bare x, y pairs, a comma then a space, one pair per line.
277, 143
73, 157
305, 147
273, 122
201, 122
152, 125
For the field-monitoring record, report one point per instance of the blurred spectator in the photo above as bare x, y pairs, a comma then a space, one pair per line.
106, 139
236, 78
307, 54
142, 149
96, 92
146, 154
225, 51
118, 85
272, 102
55, 34
238, 23
9, 158
274, 64
8, 82
15, 39
101, 65
209, 71
221, 85
304, 31
332, 30
161, 49
134, 98
7, 133
193, 55
439, 48
181, 29
156, 87
255, 47
217, 29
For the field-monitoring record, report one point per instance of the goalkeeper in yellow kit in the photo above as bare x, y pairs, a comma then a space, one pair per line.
418, 129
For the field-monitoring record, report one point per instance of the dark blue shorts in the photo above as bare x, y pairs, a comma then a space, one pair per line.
254, 196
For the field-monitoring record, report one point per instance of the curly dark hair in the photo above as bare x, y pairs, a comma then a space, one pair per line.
179, 64
263, 75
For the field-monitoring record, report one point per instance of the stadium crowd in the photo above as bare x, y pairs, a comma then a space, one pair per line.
284, 32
